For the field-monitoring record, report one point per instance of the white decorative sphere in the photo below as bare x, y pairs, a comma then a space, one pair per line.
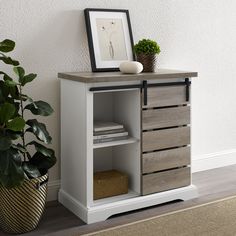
131, 67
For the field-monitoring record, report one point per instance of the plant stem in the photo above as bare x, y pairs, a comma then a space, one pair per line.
22, 115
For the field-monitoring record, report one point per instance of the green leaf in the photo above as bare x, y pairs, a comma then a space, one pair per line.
4, 91
11, 83
7, 111
19, 147
26, 79
40, 108
12, 134
20, 72
44, 163
9, 60
5, 143
5, 76
11, 172
147, 46
14, 92
42, 149
6, 157
7, 45
39, 130
31, 170
17, 107
17, 124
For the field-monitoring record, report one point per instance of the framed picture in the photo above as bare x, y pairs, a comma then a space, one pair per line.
109, 37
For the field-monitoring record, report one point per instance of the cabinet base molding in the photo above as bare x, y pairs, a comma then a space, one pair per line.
102, 212
73, 205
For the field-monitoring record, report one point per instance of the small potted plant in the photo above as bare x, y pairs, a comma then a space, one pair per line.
24, 160
146, 51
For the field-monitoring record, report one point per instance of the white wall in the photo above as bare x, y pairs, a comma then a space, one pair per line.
201, 35
194, 35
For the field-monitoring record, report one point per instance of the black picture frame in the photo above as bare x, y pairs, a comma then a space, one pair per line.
99, 64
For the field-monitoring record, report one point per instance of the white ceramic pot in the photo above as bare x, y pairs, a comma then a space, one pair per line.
131, 67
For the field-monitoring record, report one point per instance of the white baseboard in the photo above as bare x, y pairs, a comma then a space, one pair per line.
199, 163
53, 189
213, 160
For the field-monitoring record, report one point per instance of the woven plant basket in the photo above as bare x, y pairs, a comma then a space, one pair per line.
22, 207
148, 61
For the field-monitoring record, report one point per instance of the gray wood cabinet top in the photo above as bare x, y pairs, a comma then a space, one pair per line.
89, 77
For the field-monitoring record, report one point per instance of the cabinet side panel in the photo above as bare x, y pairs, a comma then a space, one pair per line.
74, 139
127, 111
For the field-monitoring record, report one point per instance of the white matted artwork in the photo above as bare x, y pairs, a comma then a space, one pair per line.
110, 38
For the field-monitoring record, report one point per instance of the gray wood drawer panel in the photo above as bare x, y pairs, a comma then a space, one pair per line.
167, 159
167, 117
165, 180
166, 138
166, 96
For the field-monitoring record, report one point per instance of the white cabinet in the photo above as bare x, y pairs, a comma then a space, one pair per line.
86, 97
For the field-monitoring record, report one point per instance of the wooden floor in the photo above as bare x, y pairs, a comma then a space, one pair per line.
213, 184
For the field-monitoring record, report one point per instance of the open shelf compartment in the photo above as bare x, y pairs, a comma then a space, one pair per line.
122, 158
122, 107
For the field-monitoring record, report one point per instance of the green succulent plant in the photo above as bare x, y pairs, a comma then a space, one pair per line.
17, 163
147, 46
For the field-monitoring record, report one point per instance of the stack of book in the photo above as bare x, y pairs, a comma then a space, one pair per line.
108, 132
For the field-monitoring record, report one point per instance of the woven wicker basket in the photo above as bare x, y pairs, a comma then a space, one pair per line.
109, 183
148, 61
21, 208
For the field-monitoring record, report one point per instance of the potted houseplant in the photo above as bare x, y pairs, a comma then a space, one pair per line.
24, 160
146, 51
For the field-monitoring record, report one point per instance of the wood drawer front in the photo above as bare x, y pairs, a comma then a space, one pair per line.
166, 180
167, 117
166, 138
168, 159
166, 96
